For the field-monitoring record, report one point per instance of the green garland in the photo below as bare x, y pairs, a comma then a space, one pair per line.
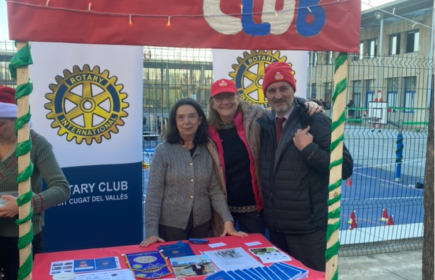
21, 59
339, 89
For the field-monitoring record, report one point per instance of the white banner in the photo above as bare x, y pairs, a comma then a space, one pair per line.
246, 69
87, 101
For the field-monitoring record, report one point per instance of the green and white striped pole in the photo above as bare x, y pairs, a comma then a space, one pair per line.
336, 149
20, 71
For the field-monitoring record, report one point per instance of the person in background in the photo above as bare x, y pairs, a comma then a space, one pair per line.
323, 103
182, 186
350, 112
294, 170
158, 125
164, 125
235, 152
45, 167
318, 102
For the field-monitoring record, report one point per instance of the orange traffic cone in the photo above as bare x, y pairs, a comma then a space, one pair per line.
353, 224
384, 217
348, 182
351, 217
390, 221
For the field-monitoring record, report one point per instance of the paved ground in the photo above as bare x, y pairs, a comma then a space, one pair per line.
390, 266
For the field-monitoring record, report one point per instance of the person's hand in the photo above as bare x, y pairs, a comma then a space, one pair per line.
313, 108
10, 209
151, 240
230, 230
302, 138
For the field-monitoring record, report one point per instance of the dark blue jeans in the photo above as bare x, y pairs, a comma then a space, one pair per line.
250, 222
10, 256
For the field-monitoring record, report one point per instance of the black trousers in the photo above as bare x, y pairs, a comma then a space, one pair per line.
250, 222
10, 255
176, 234
309, 249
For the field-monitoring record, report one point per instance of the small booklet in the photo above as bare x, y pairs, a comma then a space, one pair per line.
270, 255
178, 249
192, 266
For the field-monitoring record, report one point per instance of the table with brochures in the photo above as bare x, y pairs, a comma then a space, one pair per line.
43, 262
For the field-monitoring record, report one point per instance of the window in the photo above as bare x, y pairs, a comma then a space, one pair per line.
328, 93
370, 91
313, 59
329, 58
409, 96
394, 44
313, 91
371, 52
357, 88
392, 90
431, 96
361, 50
412, 38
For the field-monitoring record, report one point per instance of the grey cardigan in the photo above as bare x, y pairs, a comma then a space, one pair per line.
179, 184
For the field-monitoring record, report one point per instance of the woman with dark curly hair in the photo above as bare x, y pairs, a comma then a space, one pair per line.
182, 186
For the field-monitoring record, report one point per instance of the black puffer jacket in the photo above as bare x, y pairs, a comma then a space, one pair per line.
295, 183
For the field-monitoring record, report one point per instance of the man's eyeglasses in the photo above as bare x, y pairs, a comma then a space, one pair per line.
220, 98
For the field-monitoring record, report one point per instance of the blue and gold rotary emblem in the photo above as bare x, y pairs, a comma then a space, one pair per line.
86, 104
249, 72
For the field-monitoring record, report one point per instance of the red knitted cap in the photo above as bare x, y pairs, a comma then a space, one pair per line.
278, 72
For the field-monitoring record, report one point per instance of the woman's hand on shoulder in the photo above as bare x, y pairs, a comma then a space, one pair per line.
314, 108
230, 230
151, 240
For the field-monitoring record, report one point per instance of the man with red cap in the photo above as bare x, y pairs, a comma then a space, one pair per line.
294, 170
45, 167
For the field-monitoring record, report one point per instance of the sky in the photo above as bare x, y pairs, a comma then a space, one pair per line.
4, 33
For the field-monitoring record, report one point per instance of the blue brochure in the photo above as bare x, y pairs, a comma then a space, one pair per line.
234, 275
278, 274
152, 273
269, 273
292, 271
92, 265
252, 274
245, 275
145, 260
254, 271
221, 275
263, 274
81, 266
178, 249
106, 263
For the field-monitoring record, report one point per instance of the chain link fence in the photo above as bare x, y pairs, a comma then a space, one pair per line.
388, 146
389, 158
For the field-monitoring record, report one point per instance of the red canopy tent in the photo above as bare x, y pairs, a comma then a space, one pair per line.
320, 25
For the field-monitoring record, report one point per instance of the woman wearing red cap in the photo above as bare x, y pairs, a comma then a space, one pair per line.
45, 166
235, 151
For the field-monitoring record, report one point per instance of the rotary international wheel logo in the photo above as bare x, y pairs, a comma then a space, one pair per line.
248, 74
86, 104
